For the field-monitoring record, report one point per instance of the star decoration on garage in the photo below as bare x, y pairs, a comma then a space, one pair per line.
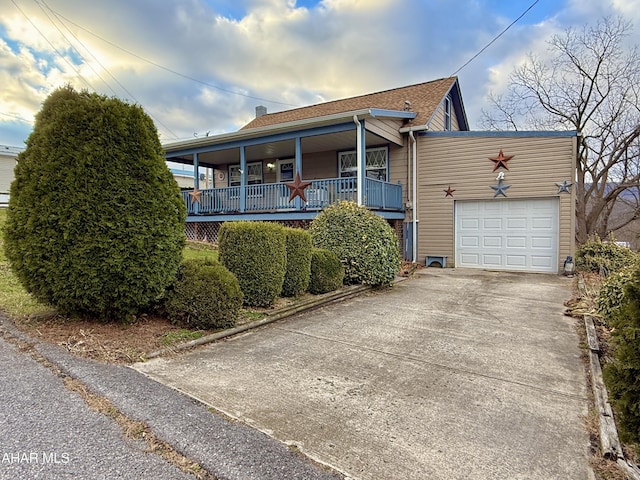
500, 188
565, 186
196, 196
449, 192
297, 188
501, 160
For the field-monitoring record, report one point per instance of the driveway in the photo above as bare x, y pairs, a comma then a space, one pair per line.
454, 374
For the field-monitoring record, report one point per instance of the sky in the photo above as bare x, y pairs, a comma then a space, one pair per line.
201, 67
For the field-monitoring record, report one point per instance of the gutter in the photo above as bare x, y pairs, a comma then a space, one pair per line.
414, 195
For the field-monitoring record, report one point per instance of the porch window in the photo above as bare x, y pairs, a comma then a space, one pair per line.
254, 174
376, 163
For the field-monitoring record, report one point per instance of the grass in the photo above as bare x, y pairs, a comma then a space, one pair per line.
199, 250
180, 336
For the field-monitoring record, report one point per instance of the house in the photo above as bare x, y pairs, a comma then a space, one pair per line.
499, 200
8, 158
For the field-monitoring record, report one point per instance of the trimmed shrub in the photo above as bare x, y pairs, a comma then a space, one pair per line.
256, 253
603, 257
327, 272
611, 295
296, 279
365, 243
95, 224
622, 374
204, 295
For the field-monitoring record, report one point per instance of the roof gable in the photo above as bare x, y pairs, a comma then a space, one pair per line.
423, 97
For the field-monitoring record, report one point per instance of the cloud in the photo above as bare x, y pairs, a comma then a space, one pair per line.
279, 53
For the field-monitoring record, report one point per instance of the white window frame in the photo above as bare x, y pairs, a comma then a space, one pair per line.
447, 114
284, 161
372, 171
252, 178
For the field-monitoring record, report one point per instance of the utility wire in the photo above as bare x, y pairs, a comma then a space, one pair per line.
59, 15
54, 48
496, 38
99, 63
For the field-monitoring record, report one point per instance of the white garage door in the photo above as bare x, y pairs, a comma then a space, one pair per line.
505, 234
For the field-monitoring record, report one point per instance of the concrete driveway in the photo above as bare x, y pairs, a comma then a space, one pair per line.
454, 374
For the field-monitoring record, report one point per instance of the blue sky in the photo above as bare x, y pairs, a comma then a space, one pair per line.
200, 66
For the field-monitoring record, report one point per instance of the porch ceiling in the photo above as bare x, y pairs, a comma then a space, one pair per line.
281, 149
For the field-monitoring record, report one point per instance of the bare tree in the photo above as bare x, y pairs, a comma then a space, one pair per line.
589, 82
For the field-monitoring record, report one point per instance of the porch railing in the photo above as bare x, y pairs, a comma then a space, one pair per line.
269, 197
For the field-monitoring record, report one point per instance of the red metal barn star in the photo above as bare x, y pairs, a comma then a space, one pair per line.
448, 192
501, 160
297, 188
196, 195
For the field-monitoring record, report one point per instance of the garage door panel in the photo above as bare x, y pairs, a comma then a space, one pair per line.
516, 242
516, 261
508, 234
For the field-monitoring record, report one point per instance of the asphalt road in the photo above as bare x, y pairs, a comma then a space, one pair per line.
48, 431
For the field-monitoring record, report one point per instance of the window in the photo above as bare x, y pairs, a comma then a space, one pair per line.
447, 114
254, 174
376, 160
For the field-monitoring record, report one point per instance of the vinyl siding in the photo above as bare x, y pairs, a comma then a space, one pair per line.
386, 128
6, 172
463, 163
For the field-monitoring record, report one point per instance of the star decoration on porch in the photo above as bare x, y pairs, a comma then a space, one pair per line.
297, 188
564, 186
501, 160
449, 192
500, 188
196, 195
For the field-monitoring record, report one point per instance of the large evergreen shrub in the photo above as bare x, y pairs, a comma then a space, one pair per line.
606, 257
95, 223
365, 243
204, 295
296, 279
622, 375
256, 253
327, 272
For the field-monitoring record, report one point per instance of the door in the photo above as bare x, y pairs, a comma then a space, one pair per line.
508, 234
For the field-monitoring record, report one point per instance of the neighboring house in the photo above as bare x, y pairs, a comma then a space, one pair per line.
455, 197
8, 158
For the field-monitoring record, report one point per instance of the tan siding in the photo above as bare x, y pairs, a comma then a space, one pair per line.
398, 171
320, 165
386, 128
437, 121
6, 172
463, 163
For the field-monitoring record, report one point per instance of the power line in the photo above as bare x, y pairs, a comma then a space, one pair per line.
99, 63
495, 38
17, 117
54, 48
59, 15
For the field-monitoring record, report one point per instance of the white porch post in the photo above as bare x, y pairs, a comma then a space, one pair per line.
360, 159
243, 180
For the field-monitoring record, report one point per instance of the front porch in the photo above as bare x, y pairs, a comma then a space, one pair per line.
273, 198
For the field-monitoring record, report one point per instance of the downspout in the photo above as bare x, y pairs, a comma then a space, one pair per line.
414, 195
359, 182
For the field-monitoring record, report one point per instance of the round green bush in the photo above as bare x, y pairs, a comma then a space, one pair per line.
296, 278
327, 272
621, 375
365, 243
604, 257
204, 295
95, 224
256, 253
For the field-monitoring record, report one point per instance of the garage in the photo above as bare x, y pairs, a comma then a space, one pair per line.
507, 234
